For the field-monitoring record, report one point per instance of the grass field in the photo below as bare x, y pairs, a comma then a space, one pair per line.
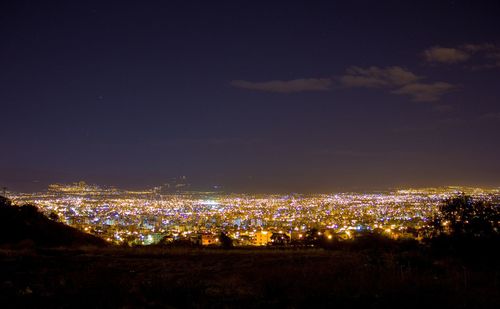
153, 277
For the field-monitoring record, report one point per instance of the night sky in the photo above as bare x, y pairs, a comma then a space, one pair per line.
292, 96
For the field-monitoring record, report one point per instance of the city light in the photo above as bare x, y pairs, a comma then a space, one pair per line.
146, 217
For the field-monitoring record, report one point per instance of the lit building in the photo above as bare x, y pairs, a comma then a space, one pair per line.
208, 239
262, 238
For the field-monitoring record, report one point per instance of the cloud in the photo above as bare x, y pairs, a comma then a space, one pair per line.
493, 58
480, 67
375, 77
445, 55
474, 48
421, 92
286, 86
481, 56
494, 55
399, 80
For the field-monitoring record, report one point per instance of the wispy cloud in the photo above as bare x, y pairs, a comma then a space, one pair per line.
482, 56
445, 55
399, 80
286, 86
474, 48
492, 61
420, 92
375, 77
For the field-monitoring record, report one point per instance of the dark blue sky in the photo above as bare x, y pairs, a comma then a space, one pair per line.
253, 95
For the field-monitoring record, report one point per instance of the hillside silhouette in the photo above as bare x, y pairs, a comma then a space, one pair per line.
25, 226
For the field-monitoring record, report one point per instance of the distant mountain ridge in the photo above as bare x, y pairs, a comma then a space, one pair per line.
25, 225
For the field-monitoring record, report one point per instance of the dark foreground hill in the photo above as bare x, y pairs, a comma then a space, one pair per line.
153, 277
25, 226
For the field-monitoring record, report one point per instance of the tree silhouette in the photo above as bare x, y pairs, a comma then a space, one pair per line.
30, 211
462, 215
225, 241
313, 237
5, 202
280, 239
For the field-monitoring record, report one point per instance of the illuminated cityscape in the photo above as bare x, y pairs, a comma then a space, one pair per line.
150, 216
250, 154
